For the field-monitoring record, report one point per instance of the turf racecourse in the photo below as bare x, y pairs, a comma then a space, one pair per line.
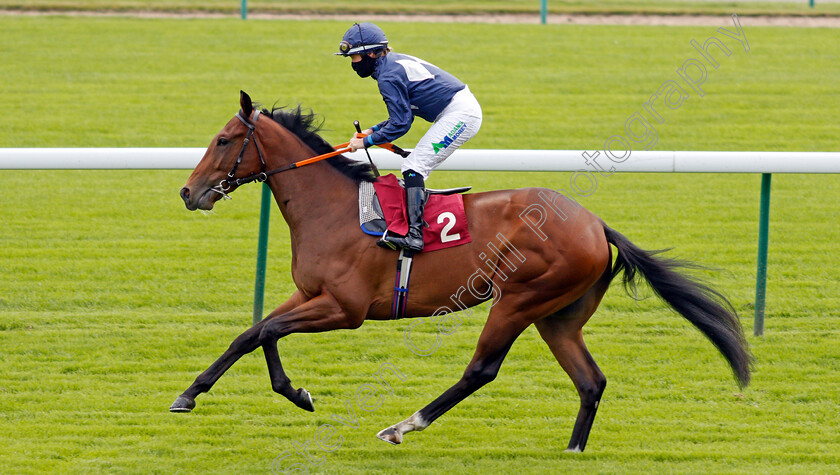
114, 297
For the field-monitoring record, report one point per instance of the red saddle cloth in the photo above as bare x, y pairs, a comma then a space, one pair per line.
444, 213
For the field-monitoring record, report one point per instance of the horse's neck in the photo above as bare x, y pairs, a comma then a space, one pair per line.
315, 197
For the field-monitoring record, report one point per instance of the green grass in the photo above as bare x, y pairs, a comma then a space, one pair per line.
668, 7
157, 83
113, 297
116, 298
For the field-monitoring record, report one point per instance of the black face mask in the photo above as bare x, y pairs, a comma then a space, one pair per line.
364, 68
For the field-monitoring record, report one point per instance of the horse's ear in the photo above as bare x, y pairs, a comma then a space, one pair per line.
245, 103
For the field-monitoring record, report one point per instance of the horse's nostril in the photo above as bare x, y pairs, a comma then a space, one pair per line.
185, 193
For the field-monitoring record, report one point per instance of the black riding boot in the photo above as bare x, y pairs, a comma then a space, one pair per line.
416, 198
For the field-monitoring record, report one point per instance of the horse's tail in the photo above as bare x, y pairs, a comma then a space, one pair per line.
703, 306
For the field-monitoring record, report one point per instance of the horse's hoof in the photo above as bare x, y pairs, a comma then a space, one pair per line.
390, 435
304, 400
182, 404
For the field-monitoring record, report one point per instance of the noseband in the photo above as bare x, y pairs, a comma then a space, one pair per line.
229, 182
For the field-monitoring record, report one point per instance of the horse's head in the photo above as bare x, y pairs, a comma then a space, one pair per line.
233, 154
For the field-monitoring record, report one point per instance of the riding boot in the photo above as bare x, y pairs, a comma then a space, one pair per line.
416, 198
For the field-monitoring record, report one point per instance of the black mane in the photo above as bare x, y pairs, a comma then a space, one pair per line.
306, 126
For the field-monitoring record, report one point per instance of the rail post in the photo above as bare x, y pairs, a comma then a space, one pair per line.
262, 253
761, 271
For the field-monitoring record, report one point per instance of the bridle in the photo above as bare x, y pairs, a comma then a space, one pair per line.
228, 183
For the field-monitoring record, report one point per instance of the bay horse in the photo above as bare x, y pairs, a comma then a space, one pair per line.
343, 279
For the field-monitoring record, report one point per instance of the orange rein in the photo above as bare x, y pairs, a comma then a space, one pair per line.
343, 148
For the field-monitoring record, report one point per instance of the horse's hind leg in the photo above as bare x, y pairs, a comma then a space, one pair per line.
507, 320
495, 341
590, 382
562, 332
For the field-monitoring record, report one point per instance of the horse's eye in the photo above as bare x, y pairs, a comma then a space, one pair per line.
222, 141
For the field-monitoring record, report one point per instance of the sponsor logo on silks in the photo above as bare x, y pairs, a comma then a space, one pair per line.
453, 135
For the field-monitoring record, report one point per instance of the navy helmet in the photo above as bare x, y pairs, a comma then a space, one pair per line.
361, 38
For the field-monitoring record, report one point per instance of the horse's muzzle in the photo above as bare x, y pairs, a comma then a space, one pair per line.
185, 195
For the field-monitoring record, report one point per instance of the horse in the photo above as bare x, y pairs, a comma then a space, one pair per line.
343, 279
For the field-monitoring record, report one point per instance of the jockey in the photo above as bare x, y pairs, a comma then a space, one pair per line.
412, 87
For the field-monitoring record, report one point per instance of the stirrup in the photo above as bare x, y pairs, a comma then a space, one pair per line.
384, 242
402, 242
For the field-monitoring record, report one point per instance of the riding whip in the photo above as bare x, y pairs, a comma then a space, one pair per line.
375, 170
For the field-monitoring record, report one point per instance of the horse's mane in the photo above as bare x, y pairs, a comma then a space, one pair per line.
306, 126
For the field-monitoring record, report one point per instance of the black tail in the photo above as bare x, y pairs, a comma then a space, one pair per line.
703, 306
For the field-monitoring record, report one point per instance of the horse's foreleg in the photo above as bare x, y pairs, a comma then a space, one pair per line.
322, 313
493, 345
280, 383
245, 343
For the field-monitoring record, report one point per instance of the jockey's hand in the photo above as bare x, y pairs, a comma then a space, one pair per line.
356, 143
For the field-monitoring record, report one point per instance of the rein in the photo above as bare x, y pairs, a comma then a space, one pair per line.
229, 182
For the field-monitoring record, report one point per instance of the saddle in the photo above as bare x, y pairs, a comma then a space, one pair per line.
372, 218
